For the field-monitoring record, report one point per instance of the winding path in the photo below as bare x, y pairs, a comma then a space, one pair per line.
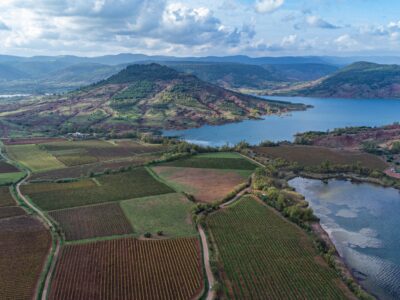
56, 245
206, 256
55, 249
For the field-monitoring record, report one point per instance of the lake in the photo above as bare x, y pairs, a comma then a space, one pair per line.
326, 114
363, 221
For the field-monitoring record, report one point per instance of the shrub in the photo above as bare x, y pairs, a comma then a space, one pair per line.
147, 235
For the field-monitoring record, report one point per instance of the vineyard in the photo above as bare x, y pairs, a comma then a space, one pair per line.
114, 187
262, 256
129, 269
5, 197
92, 221
7, 168
85, 170
33, 158
11, 211
23, 247
73, 153
214, 162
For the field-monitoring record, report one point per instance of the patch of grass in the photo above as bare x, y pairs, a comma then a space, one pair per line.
114, 187
92, 221
311, 156
213, 162
168, 213
264, 256
9, 178
32, 157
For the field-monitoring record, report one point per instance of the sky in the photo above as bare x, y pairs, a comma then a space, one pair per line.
200, 27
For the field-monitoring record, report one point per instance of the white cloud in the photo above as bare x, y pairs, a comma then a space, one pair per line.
267, 6
345, 42
318, 22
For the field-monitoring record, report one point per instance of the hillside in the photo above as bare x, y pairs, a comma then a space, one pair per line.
140, 97
359, 80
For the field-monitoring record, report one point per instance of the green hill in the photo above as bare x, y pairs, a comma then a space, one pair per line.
140, 97
359, 80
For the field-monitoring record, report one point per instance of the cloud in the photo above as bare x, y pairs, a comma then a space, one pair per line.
318, 22
345, 42
268, 6
3, 26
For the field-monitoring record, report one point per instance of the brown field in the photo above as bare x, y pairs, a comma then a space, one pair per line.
11, 211
92, 221
24, 245
206, 185
7, 168
129, 269
5, 197
310, 156
25, 141
84, 170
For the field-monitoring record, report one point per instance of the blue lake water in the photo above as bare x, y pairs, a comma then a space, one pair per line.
363, 221
326, 114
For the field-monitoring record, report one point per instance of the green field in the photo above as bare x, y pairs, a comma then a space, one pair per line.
169, 213
114, 187
32, 157
214, 161
9, 178
262, 256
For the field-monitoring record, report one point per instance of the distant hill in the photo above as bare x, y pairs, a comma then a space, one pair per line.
358, 80
140, 97
302, 72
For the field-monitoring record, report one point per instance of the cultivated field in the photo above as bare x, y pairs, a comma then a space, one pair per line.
121, 186
206, 185
5, 197
169, 213
26, 141
33, 158
11, 211
10, 178
73, 153
7, 168
85, 170
262, 256
129, 269
24, 246
314, 156
92, 221
214, 161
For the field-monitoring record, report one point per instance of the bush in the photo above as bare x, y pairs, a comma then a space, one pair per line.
147, 235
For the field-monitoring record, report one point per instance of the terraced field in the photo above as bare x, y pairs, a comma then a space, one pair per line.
7, 168
262, 256
169, 213
92, 221
24, 246
32, 157
11, 211
129, 269
121, 186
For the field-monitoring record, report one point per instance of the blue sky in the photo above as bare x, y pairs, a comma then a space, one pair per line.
200, 27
